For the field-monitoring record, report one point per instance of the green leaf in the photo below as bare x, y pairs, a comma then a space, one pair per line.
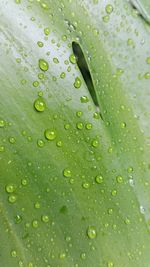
74, 177
143, 6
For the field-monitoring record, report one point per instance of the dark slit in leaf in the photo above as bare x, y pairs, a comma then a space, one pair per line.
82, 64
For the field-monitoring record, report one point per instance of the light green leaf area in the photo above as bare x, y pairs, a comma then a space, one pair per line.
74, 177
143, 6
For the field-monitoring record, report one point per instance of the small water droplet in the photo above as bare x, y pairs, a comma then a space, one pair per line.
40, 44
110, 264
127, 221
99, 179
10, 188
12, 140
110, 211
77, 83
13, 253
2, 123
123, 125
148, 60
35, 83
45, 218
50, 134
12, 199
85, 185
18, 218
84, 99
114, 192
72, 59
2, 148
79, 125
147, 75
67, 173
43, 65
109, 9
40, 143
106, 18
142, 209
130, 169
95, 143
37, 205
83, 256
88, 126
47, 31
59, 143
39, 104
91, 232
119, 179
35, 224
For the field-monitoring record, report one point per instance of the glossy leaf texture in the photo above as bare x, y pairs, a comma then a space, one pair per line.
74, 177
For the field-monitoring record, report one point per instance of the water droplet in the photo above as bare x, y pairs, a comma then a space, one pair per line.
40, 143
35, 223
88, 126
95, 143
40, 44
45, 218
43, 65
67, 126
109, 9
2, 148
35, 83
83, 256
18, 218
79, 113
106, 18
123, 125
39, 104
79, 125
67, 173
47, 31
72, 59
10, 188
55, 60
84, 99
37, 205
85, 185
96, 115
50, 134
119, 179
130, 169
62, 75
91, 232
99, 179
147, 75
142, 209
77, 83
18, 1
59, 143
110, 211
148, 60
130, 42
12, 140
114, 192
2, 123
62, 255
127, 221
12, 199
13, 253
110, 264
